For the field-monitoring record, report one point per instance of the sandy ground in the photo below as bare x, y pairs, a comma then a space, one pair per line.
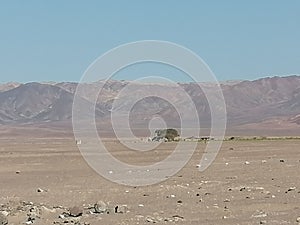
265, 190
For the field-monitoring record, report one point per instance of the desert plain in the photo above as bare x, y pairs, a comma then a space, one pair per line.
47, 181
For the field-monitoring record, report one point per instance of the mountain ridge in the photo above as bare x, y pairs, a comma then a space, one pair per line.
247, 102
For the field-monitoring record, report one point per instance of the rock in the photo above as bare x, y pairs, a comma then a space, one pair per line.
18, 172
121, 209
75, 211
281, 160
40, 190
100, 207
262, 222
292, 189
243, 188
3, 219
298, 219
177, 217
247, 163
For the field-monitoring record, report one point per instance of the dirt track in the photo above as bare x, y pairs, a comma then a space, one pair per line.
230, 191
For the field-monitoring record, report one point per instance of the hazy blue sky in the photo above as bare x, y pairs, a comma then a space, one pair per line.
57, 40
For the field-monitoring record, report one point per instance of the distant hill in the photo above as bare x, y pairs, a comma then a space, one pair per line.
270, 102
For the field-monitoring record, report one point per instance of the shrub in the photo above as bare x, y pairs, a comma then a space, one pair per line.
169, 133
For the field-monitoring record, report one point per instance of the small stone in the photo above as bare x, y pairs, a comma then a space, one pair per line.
281, 160
40, 190
18, 172
110, 211
298, 219
292, 189
121, 209
177, 218
243, 188
263, 222
171, 196
247, 163
75, 211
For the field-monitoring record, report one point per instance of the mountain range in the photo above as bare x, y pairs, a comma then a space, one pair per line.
267, 106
